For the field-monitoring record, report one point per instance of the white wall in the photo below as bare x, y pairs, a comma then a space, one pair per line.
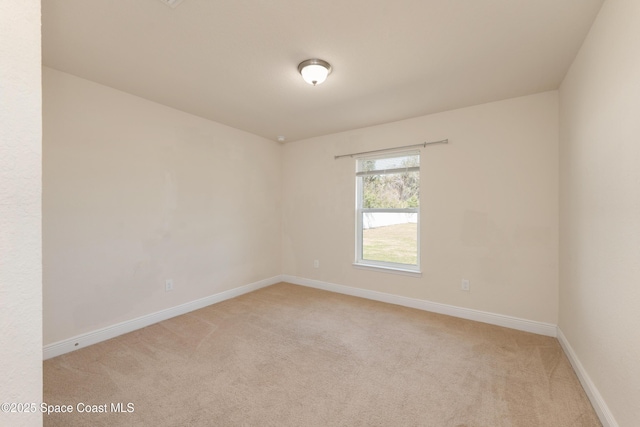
489, 207
20, 209
600, 208
135, 193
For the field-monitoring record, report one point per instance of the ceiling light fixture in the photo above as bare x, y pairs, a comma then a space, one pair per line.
314, 71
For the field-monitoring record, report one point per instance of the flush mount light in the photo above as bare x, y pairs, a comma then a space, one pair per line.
314, 71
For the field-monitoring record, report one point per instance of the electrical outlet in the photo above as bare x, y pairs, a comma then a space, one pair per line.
316, 263
168, 285
465, 286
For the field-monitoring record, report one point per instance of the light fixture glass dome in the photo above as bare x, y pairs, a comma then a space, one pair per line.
314, 71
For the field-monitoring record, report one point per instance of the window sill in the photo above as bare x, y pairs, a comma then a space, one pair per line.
390, 270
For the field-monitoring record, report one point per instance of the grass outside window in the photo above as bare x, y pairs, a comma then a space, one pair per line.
392, 243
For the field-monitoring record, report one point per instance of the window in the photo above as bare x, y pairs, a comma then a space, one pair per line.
387, 206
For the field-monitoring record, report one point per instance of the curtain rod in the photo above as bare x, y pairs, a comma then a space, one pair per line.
424, 144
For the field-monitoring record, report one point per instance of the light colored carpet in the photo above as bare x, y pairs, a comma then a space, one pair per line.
293, 356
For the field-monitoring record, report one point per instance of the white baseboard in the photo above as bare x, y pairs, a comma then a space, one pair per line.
539, 328
94, 337
84, 340
601, 408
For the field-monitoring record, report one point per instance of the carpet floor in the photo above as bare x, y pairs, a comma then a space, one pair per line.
287, 355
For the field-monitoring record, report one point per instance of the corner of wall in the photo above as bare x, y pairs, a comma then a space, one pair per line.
20, 209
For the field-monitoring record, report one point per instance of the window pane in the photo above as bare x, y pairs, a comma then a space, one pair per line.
403, 161
390, 237
384, 186
396, 190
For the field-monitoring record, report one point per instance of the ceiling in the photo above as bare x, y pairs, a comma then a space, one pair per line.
235, 61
